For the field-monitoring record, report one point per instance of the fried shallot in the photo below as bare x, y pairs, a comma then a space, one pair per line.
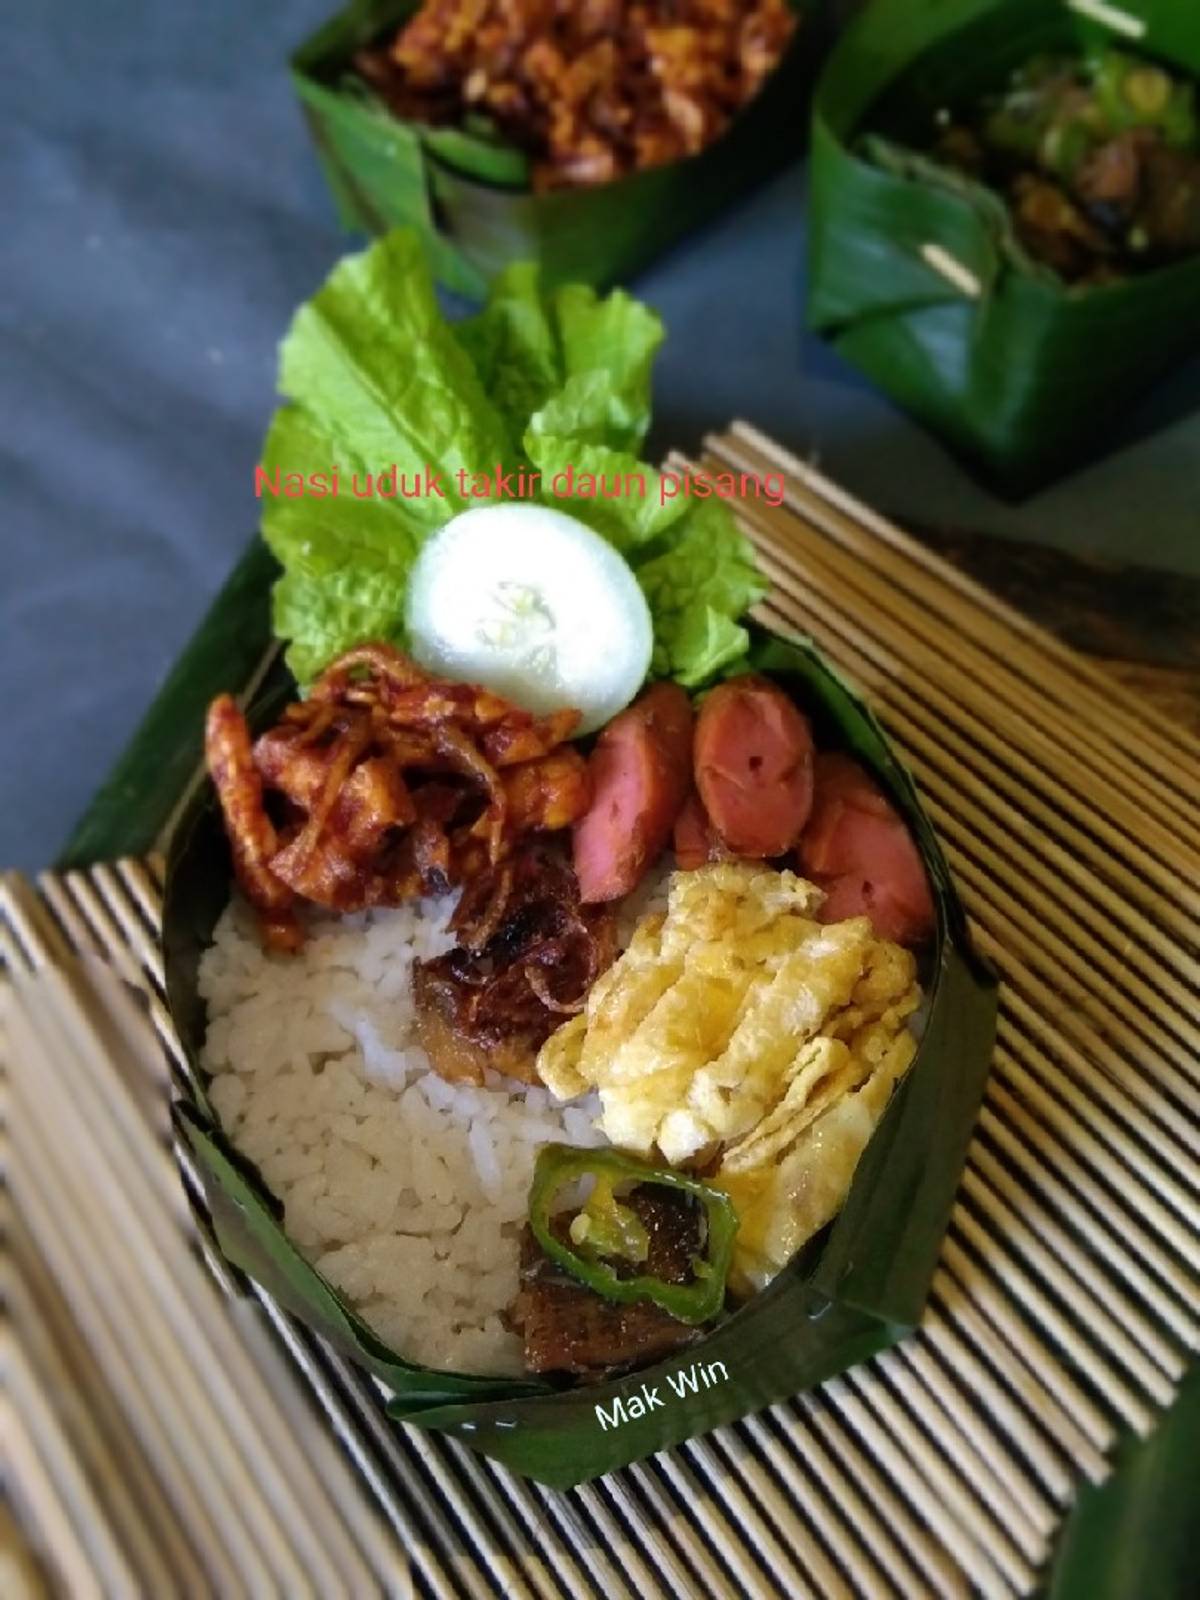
384, 785
527, 955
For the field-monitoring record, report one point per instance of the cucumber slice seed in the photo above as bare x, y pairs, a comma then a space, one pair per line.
532, 604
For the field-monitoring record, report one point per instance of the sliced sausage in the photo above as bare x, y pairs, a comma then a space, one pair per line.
754, 766
696, 840
857, 848
640, 772
692, 834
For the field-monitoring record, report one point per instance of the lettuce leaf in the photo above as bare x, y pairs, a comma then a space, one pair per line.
697, 588
608, 355
584, 364
376, 378
515, 346
630, 521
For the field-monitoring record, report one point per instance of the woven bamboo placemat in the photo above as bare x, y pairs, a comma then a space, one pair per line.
1138, 622
1063, 1313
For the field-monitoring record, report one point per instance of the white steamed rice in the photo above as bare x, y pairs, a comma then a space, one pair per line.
408, 1193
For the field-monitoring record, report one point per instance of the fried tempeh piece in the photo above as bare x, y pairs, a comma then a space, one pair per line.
568, 1327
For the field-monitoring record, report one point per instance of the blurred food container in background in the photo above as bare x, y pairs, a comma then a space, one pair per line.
471, 194
1022, 376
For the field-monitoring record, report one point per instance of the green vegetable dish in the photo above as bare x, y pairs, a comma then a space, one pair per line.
1004, 220
571, 978
1097, 158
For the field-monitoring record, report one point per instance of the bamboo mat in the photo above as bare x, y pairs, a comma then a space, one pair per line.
1174, 690
1064, 1311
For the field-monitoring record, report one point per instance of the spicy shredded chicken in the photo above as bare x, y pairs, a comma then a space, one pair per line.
592, 89
385, 784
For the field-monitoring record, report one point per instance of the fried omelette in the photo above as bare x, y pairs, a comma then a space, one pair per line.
737, 1031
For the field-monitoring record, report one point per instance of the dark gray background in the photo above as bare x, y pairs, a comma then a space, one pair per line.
163, 214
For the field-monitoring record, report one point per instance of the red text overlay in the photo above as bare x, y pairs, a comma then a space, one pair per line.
505, 484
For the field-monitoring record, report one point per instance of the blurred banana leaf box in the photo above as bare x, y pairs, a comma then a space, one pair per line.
470, 193
917, 273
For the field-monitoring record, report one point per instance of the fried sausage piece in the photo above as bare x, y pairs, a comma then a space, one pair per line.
640, 771
858, 849
754, 766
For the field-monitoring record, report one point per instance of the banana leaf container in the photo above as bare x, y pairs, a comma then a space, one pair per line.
859, 1287
469, 195
1023, 378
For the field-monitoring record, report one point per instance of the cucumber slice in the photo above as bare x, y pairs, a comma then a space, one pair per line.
533, 605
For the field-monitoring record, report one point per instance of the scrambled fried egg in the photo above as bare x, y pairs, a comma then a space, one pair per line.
739, 1029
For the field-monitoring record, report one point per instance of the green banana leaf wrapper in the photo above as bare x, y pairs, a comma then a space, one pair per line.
1135, 1533
468, 194
1026, 379
858, 1288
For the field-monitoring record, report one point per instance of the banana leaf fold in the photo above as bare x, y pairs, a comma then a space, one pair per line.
468, 194
855, 1290
916, 282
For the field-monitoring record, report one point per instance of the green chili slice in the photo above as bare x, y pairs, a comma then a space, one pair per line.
559, 1165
